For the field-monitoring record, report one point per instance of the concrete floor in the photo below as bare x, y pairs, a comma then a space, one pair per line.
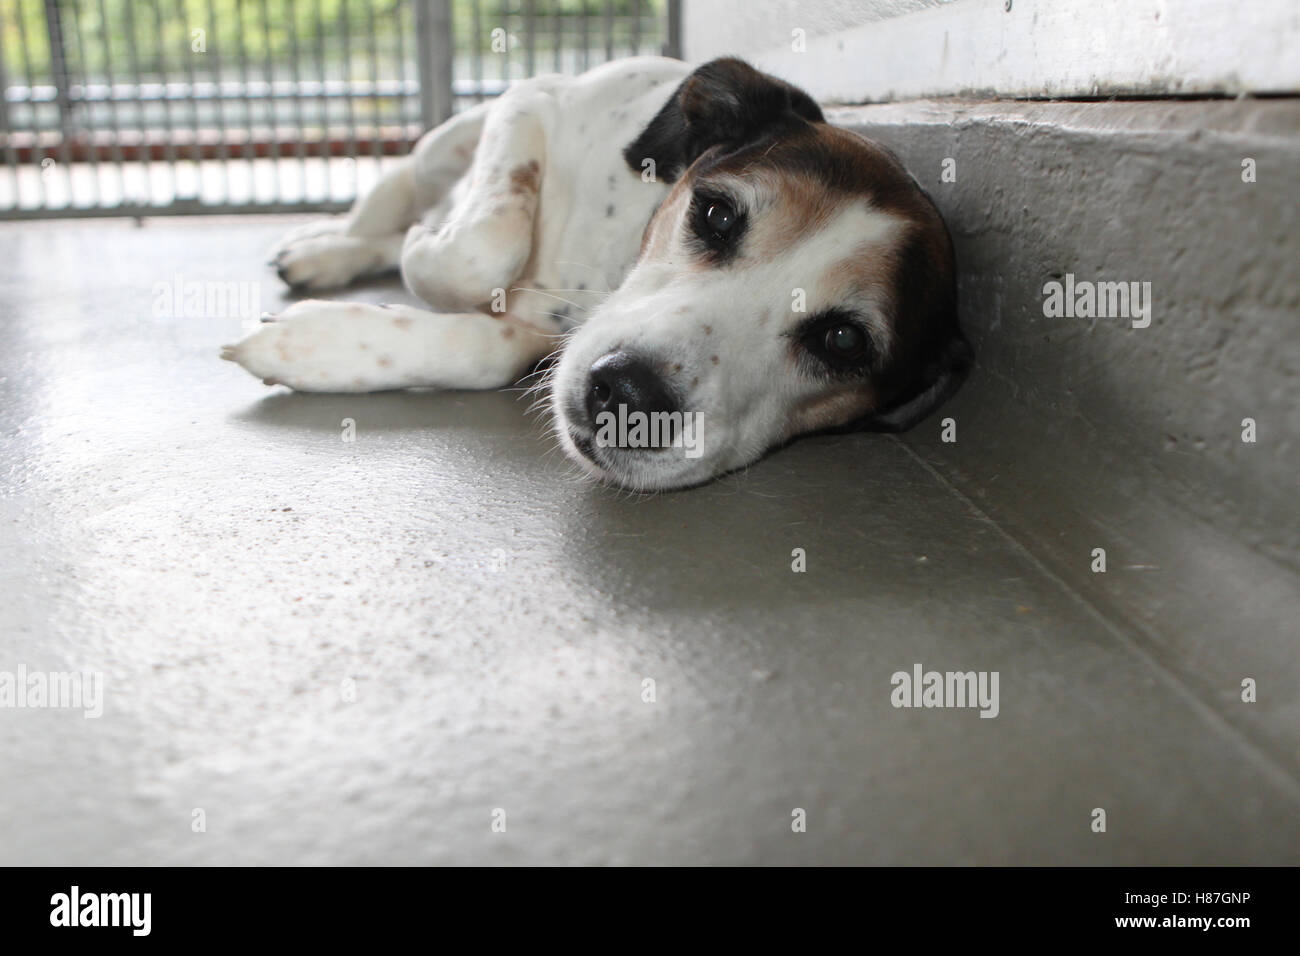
358, 652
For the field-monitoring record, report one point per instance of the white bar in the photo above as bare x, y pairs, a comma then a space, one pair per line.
1047, 48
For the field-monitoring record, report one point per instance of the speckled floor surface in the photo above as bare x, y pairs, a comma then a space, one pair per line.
322, 651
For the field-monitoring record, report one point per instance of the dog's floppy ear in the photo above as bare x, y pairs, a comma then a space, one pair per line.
938, 379
724, 101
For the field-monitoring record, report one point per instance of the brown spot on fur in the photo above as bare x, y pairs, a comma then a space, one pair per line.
523, 178
384, 362
871, 266
507, 333
708, 330
402, 323
830, 409
713, 359
658, 231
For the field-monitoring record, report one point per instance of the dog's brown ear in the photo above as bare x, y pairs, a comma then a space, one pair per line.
725, 101
936, 382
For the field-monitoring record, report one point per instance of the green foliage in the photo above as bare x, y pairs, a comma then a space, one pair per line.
153, 36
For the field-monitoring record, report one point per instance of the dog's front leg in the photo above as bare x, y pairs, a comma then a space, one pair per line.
330, 253
317, 346
487, 241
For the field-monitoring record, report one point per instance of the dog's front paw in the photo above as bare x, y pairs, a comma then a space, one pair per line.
316, 346
320, 256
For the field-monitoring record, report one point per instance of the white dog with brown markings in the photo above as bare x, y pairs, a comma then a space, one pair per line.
701, 248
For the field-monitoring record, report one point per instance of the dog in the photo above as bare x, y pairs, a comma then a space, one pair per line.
700, 247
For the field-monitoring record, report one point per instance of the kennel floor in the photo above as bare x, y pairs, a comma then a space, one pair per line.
431, 644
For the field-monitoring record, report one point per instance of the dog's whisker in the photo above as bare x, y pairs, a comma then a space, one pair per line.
553, 296
586, 265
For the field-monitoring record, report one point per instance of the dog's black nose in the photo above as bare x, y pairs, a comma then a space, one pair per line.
621, 378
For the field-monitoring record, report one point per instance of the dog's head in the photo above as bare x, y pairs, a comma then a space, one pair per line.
796, 279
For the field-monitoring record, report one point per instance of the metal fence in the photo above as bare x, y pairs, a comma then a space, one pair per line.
152, 107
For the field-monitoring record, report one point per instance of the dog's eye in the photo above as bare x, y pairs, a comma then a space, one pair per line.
720, 217
846, 341
839, 342
717, 226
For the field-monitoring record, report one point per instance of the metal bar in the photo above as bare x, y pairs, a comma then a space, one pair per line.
609, 30
59, 75
636, 27
214, 54
170, 130
36, 124
300, 144
530, 37
345, 38
96, 195
505, 45
399, 9
324, 103
25, 149
10, 158
444, 56
182, 17
673, 14
4, 87
133, 58
477, 52
114, 118
243, 84
184, 208
268, 71
205, 91
58, 59
435, 48
586, 42
377, 116
557, 21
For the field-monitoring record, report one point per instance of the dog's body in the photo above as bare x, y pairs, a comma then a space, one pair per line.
720, 250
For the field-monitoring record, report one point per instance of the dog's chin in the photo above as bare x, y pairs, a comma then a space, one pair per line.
638, 471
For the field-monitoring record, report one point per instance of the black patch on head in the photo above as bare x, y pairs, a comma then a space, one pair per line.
724, 102
940, 356
932, 356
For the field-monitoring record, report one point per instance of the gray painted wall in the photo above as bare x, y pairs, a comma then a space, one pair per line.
746, 28
844, 52
1076, 433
